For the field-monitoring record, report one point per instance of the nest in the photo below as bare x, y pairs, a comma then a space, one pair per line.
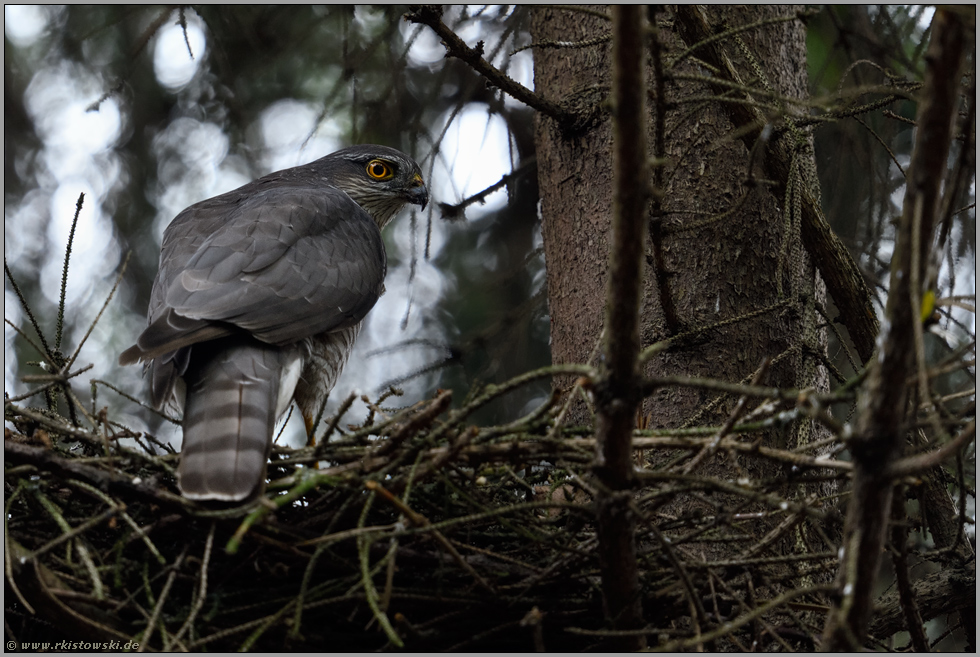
415, 530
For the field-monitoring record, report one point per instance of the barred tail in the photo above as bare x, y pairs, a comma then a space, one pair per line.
233, 388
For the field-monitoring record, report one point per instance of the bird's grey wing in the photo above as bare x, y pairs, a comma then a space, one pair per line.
288, 263
181, 240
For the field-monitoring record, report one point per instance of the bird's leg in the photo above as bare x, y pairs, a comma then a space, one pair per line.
310, 423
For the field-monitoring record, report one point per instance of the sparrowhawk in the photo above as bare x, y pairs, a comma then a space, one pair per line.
257, 302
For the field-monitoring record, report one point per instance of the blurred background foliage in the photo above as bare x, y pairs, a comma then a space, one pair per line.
148, 109
862, 161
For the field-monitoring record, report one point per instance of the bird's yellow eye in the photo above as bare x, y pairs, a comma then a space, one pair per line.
379, 170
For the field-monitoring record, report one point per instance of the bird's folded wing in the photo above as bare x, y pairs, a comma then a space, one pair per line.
287, 262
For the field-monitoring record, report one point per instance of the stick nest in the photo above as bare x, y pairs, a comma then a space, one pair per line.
417, 529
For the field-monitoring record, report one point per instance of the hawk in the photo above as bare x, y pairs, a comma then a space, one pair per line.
257, 302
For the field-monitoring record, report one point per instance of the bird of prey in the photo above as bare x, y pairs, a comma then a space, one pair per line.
257, 302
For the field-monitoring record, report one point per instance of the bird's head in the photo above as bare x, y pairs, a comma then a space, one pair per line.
379, 179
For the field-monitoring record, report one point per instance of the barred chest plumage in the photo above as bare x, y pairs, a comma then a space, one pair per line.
324, 357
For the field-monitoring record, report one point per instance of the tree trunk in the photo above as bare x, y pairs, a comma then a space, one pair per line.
726, 280
703, 274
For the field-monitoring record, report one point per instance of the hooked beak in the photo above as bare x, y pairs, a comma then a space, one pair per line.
418, 194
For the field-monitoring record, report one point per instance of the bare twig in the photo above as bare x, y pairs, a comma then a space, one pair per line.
882, 425
456, 47
64, 275
616, 390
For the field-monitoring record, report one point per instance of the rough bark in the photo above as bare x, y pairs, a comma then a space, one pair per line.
715, 236
944, 592
730, 267
718, 247
713, 272
843, 278
575, 176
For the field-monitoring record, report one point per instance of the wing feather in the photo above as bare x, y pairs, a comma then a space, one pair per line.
283, 262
